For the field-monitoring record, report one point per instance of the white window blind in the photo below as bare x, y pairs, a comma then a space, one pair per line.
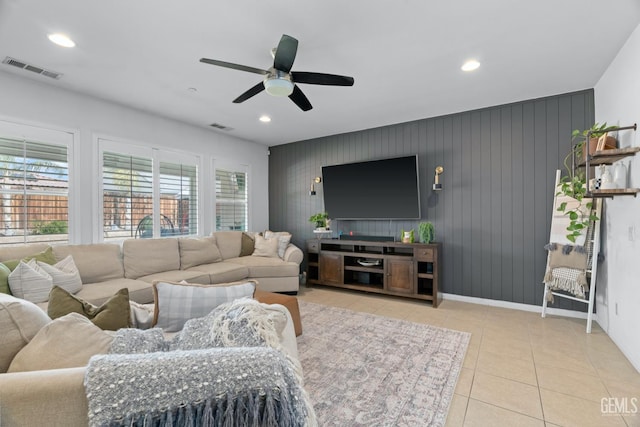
178, 198
127, 196
34, 184
231, 200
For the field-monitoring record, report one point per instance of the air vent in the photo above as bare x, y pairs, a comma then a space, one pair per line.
34, 69
221, 127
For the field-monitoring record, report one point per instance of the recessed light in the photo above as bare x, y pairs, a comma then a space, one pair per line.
192, 89
470, 65
265, 119
61, 40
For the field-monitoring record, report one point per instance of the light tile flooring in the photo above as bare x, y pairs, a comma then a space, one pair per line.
520, 369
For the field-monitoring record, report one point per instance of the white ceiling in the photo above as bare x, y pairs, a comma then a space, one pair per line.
405, 55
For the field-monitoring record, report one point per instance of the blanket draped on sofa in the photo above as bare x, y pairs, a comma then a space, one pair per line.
197, 385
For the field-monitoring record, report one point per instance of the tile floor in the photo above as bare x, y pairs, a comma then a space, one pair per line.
520, 369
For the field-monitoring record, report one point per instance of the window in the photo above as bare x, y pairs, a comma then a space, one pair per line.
231, 200
146, 195
34, 184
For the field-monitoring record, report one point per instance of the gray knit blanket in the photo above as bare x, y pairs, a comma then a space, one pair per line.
200, 378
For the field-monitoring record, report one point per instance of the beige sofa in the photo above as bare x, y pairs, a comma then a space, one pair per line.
57, 397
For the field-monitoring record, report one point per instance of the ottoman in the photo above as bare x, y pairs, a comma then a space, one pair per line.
288, 301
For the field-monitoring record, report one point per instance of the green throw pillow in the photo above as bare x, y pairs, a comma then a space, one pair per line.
45, 256
114, 314
247, 245
4, 279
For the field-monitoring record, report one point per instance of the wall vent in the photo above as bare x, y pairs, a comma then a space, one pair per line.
221, 127
29, 67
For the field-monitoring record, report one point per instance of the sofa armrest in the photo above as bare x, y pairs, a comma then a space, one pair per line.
293, 254
55, 396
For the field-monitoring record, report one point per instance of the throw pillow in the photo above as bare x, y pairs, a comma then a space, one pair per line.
265, 247
114, 314
198, 251
64, 274
29, 281
247, 244
4, 279
178, 302
20, 321
66, 342
45, 256
283, 240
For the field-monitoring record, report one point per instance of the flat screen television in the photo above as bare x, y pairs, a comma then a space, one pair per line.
376, 189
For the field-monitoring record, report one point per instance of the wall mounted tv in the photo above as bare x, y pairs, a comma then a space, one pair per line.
377, 189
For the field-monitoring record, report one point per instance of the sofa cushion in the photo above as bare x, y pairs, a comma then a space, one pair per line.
247, 244
265, 247
267, 267
4, 279
178, 302
114, 314
44, 256
64, 274
229, 243
29, 281
14, 252
148, 256
20, 321
98, 293
221, 272
198, 251
66, 342
283, 237
96, 263
192, 275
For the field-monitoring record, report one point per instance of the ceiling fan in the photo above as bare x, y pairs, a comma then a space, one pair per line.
280, 80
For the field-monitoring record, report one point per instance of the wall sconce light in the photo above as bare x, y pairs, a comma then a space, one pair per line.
316, 180
436, 180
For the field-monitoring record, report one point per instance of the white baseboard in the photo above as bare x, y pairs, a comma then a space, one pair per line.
518, 306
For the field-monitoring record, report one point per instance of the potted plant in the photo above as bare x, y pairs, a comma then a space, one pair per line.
574, 186
319, 219
426, 232
597, 130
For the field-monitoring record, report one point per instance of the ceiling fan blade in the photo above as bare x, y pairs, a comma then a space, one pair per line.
285, 53
300, 99
233, 66
251, 92
321, 79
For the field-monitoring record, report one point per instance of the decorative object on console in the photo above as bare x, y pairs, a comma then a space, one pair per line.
407, 236
369, 262
316, 180
320, 220
436, 179
426, 231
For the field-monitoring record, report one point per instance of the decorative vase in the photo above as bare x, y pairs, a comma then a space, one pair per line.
620, 175
607, 182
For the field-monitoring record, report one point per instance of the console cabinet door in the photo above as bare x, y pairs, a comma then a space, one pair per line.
330, 266
399, 276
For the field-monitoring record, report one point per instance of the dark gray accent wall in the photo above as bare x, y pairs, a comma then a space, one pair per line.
493, 214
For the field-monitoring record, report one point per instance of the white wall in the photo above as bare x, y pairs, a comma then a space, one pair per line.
31, 102
617, 102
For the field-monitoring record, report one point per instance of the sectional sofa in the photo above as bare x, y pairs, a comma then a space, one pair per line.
57, 396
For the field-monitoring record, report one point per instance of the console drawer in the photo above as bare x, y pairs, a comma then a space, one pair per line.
423, 254
313, 246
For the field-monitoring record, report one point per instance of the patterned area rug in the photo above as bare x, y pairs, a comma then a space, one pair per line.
366, 370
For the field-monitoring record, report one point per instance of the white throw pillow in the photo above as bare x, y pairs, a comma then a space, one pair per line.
283, 237
65, 274
265, 247
175, 303
29, 281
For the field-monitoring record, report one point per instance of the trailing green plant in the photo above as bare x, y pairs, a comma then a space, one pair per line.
427, 232
319, 219
574, 185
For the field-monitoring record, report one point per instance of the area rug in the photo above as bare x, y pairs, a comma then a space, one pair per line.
366, 370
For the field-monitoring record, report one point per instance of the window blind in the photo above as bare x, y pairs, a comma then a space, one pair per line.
178, 199
231, 200
34, 184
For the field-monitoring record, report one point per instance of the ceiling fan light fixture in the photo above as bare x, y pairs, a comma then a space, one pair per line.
278, 87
